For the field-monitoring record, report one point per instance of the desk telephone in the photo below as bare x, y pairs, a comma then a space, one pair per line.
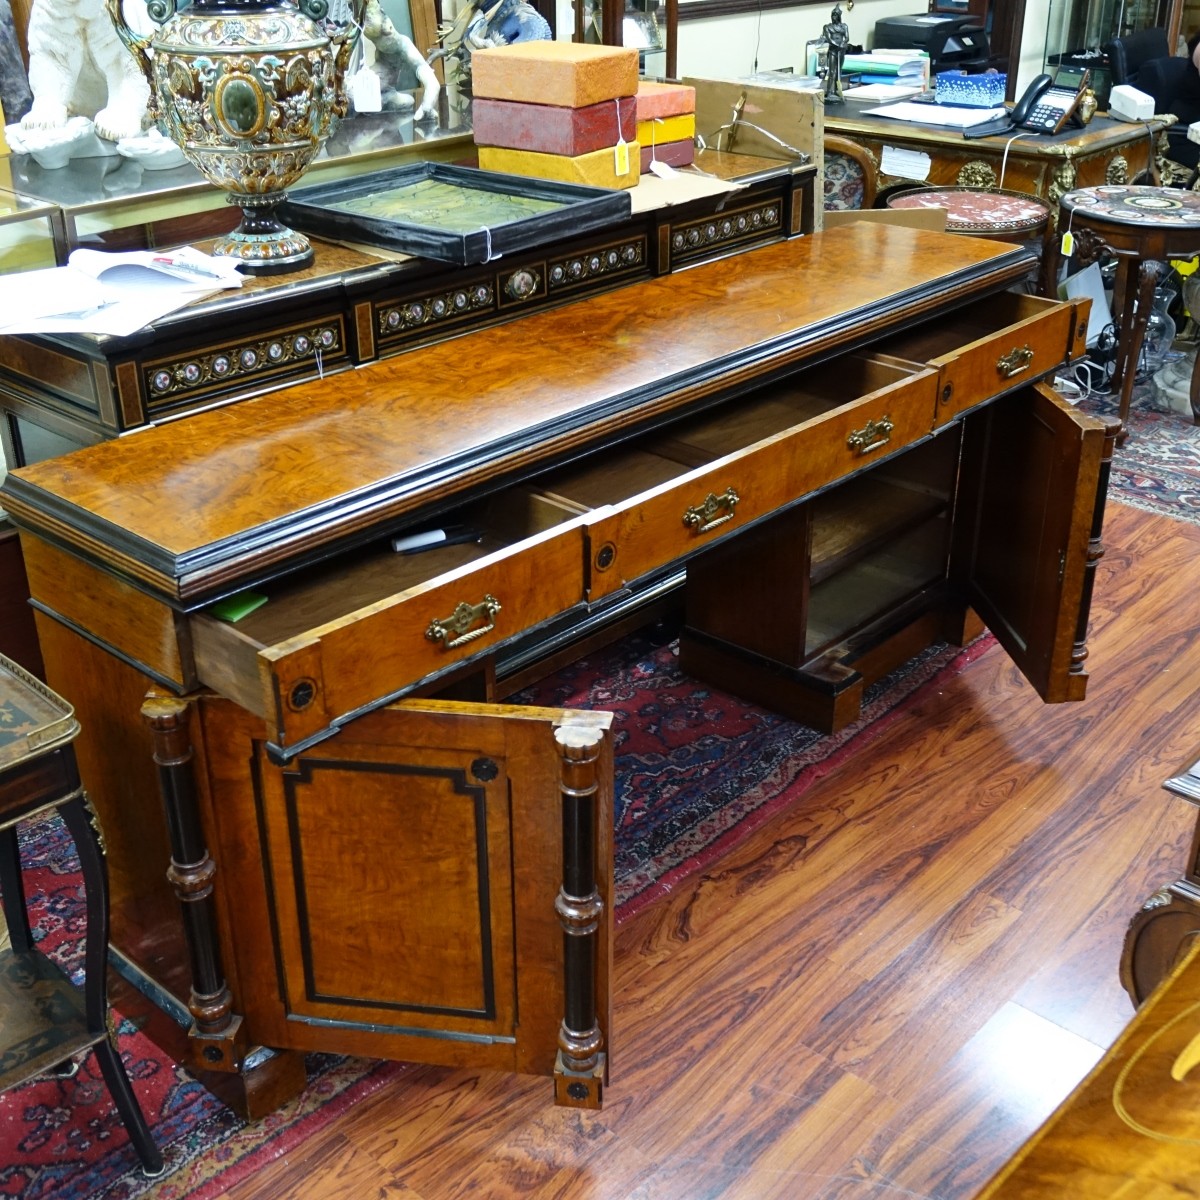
1043, 108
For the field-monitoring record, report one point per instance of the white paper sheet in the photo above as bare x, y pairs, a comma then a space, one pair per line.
905, 164
937, 114
110, 293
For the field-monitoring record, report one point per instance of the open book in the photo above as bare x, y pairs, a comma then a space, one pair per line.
110, 293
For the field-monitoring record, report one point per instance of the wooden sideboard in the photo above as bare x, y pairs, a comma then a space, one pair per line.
371, 852
1106, 151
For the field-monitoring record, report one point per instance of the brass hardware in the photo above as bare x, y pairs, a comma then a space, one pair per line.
1015, 361
703, 517
872, 435
453, 631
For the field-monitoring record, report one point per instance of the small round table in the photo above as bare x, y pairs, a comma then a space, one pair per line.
1001, 215
1137, 225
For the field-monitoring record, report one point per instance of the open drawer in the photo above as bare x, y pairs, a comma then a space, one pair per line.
337, 640
681, 490
986, 347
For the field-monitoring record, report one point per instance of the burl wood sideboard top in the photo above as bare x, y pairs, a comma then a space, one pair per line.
179, 504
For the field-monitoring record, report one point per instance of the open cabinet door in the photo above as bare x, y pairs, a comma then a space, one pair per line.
1027, 531
432, 884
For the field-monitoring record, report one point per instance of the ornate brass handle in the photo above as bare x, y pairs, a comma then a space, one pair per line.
1015, 361
872, 435
456, 629
703, 517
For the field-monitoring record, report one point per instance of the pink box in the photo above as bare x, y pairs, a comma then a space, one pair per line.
551, 129
664, 100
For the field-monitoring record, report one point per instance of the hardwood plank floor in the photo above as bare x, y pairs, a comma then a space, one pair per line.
882, 993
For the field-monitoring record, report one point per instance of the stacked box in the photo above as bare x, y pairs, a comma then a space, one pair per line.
666, 123
558, 110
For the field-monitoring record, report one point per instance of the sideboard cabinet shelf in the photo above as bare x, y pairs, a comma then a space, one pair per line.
831, 469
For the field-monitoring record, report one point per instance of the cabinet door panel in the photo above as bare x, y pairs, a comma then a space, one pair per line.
1024, 527
412, 865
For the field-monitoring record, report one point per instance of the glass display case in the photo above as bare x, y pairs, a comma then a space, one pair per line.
114, 203
1077, 32
650, 26
29, 233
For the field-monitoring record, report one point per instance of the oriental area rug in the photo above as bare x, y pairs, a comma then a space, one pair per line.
697, 770
1158, 467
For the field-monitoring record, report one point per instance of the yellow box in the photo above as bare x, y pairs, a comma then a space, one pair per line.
598, 169
658, 130
569, 74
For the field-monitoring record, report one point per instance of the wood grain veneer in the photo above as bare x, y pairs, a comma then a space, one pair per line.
236, 489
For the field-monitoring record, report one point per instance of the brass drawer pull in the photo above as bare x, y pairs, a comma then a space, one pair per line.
700, 517
1015, 361
453, 631
872, 435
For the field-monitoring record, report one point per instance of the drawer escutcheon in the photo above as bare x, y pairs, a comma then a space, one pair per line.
703, 517
456, 629
1015, 361
872, 435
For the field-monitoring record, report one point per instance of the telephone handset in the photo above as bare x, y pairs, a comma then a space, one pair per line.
1042, 108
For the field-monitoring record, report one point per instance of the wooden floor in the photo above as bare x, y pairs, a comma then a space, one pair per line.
882, 993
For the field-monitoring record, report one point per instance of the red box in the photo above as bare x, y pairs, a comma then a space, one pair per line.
551, 129
674, 154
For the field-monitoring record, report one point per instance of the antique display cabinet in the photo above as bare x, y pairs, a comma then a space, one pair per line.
370, 850
358, 303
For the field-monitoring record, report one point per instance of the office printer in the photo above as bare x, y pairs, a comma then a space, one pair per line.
952, 42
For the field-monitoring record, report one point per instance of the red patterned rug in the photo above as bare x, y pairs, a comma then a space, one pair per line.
697, 771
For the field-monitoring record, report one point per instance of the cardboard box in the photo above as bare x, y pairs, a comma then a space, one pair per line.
563, 74
552, 130
597, 169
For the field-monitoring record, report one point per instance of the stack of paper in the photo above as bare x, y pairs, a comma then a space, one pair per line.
110, 293
889, 67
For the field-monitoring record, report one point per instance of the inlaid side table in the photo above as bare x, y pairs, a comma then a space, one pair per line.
1137, 225
44, 1018
1002, 216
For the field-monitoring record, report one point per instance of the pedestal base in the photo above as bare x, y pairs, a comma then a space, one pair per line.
262, 243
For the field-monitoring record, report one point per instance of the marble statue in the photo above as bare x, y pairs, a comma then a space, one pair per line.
399, 65
78, 67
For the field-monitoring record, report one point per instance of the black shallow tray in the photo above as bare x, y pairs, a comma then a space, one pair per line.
454, 214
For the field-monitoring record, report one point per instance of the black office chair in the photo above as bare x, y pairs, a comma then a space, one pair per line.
1128, 55
1162, 78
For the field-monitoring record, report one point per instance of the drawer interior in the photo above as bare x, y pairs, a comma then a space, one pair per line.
662, 456
964, 325
877, 539
327, 592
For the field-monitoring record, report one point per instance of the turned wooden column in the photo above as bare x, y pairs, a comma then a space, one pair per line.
580, 1065
216, 1038
1095, 553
